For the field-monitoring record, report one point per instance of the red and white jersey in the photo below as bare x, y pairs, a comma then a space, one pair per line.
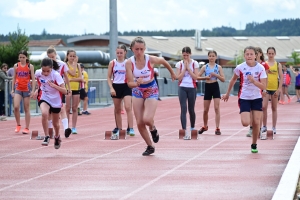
248, 90
119, 71
63, 67
147, 73
187, 80
46, 92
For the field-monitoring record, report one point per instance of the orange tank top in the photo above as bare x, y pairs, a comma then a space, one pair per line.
22, 77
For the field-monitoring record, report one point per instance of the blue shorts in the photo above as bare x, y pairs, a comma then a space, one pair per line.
249, 105
146, 91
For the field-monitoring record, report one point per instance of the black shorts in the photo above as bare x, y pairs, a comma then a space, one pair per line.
249, 105
212, 90
63, 98
122, 90
83, 94
271, 92
297, 87
51, 109
75, 92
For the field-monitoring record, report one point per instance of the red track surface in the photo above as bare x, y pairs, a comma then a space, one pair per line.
88, 167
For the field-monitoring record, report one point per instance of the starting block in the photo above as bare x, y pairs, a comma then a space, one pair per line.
270, 134
108, 134
194, 134
35, 134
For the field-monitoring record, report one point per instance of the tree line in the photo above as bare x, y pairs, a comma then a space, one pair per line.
283, 27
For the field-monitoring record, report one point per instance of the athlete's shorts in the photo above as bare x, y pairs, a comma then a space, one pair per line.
271, 92
122, 90
284, 85
212, 90
23, 93
297, 87
249, 105
146, 91
75, 92
51, 109
83, 93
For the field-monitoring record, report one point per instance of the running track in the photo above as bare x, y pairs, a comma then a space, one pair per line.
88, 167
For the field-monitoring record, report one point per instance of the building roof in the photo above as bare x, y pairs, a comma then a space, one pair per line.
43, 43
226, 47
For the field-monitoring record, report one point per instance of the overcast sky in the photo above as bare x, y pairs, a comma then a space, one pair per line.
92, 16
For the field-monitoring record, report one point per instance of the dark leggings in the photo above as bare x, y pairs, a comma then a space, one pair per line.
189, 95
2, 107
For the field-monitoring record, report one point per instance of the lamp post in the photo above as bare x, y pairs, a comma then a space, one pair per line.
235, 55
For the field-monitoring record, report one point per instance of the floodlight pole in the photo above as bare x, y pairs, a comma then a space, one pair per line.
113, 28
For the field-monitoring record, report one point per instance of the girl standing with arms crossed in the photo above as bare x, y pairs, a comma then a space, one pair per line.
74, 76
285, 84
23, 89
187, 70
145, 91
274, 85
119, 90
253, 80
213, 72
63, 71
51, 87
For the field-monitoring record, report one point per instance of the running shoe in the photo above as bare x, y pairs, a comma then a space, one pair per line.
74, 131
68, 132
289, 100
274, 130
149, 150
57, 142
46, 141
202, 129
18, 128
131, 132
218, 132
128, 131
115, 134
187, 135
155, 135
25, 131
254, 148
281, 102
86, 113
263, 133
249, 134
3, 118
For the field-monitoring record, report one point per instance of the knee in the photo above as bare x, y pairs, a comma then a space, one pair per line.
217, 110
147, 121
45, 115
205, 111
128, 108
55, 125
245, 123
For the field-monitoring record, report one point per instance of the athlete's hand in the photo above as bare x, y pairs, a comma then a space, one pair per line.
213, 74
207, 77
139, 81
225, 97
51, 84
264, 93
113, 92
174, 77
250, 78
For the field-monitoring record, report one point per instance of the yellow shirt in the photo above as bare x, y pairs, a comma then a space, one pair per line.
74, 85
273, 77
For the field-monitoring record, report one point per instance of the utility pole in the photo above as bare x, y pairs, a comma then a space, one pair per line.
113, 28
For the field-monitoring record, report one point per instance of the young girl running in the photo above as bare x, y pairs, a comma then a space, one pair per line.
187, 70
285, 85
253, 80
63, 70
213, 72
145, 91
51, 86
272, 92
119, 90
260, 58
297, 82
74, 75
23, 89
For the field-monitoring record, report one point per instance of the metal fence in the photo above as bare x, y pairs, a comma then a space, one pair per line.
99, 93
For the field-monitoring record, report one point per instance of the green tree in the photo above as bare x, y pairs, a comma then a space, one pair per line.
9, 52
296, 59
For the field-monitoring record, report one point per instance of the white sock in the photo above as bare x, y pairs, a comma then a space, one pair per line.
50, 125
65, 123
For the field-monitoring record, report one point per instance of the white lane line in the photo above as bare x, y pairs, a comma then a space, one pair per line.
178, 166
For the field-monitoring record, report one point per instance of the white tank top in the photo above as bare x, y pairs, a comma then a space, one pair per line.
119, 72
147, 73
